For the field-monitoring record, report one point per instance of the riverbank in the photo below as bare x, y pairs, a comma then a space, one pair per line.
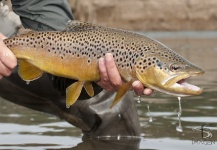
148, 14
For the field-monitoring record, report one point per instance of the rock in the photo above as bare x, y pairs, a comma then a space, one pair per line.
148, 14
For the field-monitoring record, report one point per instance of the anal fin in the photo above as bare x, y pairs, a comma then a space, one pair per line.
73, 92
89, 88
28, 72
121, 92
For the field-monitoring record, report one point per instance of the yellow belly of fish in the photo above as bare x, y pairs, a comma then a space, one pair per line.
69, 67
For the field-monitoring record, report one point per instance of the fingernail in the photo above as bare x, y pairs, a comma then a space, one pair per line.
108, 56
136, 84
101, 59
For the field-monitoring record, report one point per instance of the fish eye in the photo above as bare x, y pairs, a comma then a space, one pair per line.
174, 67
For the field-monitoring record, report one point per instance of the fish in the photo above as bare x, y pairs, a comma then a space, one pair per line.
74, 52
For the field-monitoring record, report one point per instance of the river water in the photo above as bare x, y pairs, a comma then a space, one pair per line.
23, 128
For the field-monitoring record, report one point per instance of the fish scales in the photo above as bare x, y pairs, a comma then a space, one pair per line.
74, 54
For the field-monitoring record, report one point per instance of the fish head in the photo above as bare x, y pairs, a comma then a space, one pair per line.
166, 72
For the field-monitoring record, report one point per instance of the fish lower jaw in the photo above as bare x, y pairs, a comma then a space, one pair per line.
190, 88
183, 89
179, 89
172, 93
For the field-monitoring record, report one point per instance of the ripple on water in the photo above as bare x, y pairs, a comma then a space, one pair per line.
10, 128
204, 119
206, 107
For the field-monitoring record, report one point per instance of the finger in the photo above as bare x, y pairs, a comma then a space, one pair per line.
112, 71
148, 91
6, 56
138, 87
4, 71
104, 79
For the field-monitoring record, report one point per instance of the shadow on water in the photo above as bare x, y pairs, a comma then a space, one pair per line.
22, 128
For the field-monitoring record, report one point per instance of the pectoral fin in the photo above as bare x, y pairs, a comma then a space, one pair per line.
73, 92
121, 92
89, 88
28, 72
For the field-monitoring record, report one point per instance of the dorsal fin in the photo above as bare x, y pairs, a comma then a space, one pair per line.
22, 30
75, 25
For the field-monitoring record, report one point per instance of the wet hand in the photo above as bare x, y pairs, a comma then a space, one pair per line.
110, 79
7, 59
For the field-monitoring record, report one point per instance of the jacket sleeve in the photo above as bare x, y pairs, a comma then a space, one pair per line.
43, 15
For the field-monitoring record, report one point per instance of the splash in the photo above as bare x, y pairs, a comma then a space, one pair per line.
118, 137
139, 99
179, 127
27, 82
149, 115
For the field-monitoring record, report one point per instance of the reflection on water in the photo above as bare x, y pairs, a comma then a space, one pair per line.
22, 128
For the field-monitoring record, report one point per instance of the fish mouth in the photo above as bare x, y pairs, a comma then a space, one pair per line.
173, 84
180, 87
189, 86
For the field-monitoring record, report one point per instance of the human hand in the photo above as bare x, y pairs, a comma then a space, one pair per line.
111, 80
7, 59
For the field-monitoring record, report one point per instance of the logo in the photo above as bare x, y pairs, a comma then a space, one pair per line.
206, 135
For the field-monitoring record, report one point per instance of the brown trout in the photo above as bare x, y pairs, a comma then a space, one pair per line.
74, 53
